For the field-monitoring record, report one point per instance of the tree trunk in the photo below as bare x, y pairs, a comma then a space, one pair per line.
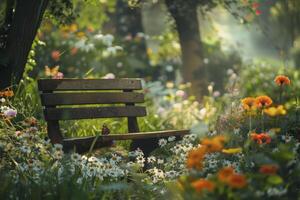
186, 20
21, 33
127, 24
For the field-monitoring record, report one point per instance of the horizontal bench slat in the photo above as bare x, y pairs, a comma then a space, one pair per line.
50, 99
89, 84
83, 144
93, 112
130, 136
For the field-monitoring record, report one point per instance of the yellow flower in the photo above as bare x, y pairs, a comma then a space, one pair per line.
275, 130
281, 110
249, 103
170, 85
149, 51
80, 34
73, 27
275, 111
232, 150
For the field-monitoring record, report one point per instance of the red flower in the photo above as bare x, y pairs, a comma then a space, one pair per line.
55, 55
268, 169
258, 12
237, 181
261, 138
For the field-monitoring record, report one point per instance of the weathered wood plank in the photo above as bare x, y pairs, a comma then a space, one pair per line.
82, 146
131, 136
93, 112
89, 84
49, 99
132, 123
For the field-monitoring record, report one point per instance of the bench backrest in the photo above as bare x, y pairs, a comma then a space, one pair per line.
74, 99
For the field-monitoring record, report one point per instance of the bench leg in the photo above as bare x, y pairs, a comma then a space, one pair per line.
146, 145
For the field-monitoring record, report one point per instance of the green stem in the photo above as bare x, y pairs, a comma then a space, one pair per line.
250, 124
280, 95
262, 120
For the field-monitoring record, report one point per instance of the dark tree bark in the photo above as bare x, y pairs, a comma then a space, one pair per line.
23, 27
129, 20
186, 20
126, 23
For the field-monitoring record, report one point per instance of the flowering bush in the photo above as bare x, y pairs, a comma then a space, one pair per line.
257, 160
30, 164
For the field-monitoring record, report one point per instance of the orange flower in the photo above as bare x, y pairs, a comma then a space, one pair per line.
268, 169
31, 121
249, 103
195, 158
7, 93
261, 138
90, 29
225, 173
202, 184
220, 138
282, 80
263, 101
214, 144
266, 138
237, 181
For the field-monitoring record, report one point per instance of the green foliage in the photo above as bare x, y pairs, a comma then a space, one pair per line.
93, 13
88, 12
255, 79
62, 12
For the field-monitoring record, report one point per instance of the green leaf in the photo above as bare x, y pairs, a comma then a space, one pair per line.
275, 180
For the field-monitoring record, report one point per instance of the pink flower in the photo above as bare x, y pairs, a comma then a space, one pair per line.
18, 133
10, 113
59, 75
216, 94
180, 93
258, 12
128, 37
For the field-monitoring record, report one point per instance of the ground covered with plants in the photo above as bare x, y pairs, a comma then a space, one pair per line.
227, 70
249, 148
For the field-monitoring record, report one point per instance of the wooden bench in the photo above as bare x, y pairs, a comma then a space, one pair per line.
66, 99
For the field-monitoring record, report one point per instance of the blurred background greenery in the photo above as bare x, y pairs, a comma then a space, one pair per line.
195, 56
